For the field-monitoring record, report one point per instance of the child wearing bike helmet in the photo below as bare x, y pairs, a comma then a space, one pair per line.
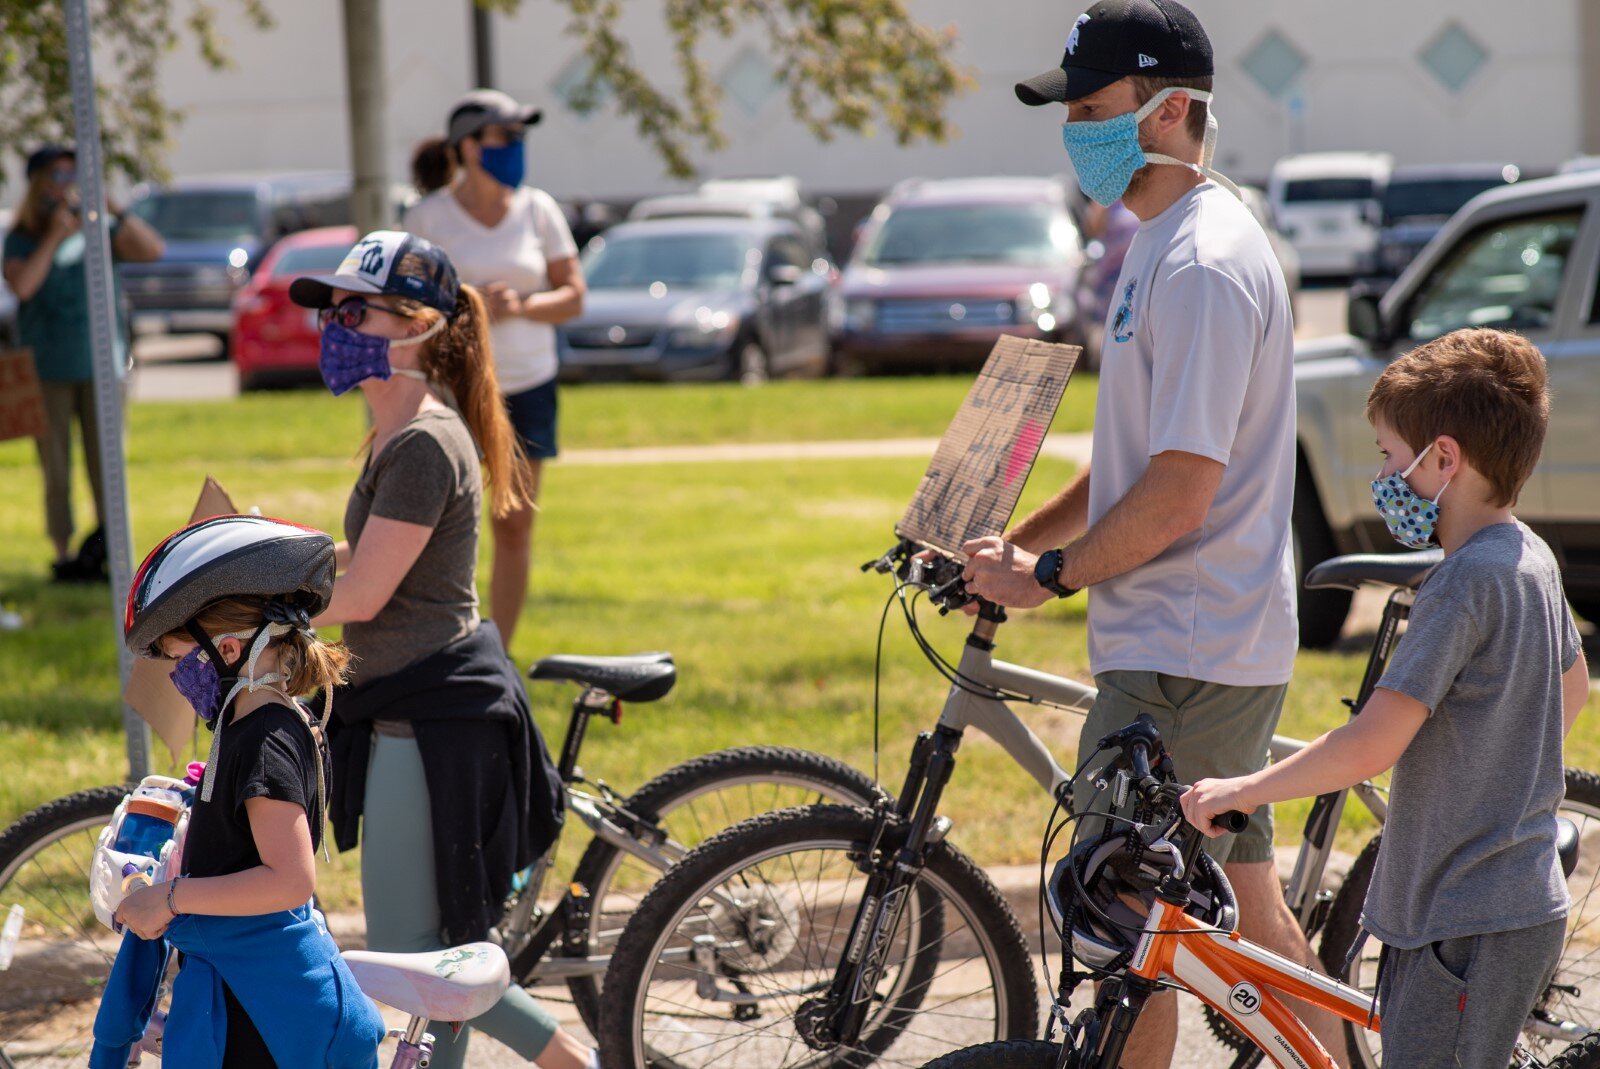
1468, 895
229, 602
442, 777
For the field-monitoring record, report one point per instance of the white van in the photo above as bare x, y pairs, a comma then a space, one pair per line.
1327, 204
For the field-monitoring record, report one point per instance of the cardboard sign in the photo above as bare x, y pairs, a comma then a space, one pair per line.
150, 692
21, 400
984, 458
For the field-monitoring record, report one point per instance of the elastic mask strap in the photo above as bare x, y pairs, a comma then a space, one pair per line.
205, 643
420, 338
410, 373
248, 681
1208, 147
1415, 461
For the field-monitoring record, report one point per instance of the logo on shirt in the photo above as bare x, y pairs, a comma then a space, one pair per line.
1122, 320
1072, 38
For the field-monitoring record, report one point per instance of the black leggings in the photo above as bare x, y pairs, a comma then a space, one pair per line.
246, 1049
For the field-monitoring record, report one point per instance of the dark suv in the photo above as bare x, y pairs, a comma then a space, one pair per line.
943, 268
1419, 200
216, 229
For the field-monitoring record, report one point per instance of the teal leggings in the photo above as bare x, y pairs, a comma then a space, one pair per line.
402, 906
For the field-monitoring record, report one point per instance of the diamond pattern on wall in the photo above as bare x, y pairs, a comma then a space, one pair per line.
748, 80
1454, 57
1274, 63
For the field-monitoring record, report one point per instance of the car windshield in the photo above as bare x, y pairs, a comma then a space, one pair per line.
200, 215
684, 260
972, 233
309, 258
1304, 190
1440, 196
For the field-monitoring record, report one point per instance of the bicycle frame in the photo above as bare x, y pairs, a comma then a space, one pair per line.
1240, 980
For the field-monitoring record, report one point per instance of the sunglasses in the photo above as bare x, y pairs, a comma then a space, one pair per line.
351, 312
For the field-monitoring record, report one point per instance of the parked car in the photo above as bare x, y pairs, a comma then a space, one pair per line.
702, 297
272, 338
1417, 201
692, 205
217, 228
943, 268
1282, 248
1327, 204
1520, 258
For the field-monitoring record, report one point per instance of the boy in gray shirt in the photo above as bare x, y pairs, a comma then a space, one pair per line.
1468, 894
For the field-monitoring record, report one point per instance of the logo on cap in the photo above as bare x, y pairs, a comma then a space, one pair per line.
370, 258
1146, 61
1072, 38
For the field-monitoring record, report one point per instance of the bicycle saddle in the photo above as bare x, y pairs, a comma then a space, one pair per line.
1388, 569
1567, 843
456, 984
643, 677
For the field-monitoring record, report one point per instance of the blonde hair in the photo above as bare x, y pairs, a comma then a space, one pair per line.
461, 358
306, 663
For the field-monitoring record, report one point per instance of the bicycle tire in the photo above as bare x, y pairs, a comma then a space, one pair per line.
1581, 804
49, 993
1584, 1054
1005, 1054
733, 858
682, 785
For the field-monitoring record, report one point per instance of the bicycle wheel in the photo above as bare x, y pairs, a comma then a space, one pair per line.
50, 992
1584, 1054
728, 957
1007, 1054
691, 802
1570, 1006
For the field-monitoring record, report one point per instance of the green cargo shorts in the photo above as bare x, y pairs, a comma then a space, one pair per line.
1212, 730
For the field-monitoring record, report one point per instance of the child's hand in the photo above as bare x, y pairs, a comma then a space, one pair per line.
145, 911
1209, 797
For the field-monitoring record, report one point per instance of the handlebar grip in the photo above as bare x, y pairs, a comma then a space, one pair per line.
1232, 820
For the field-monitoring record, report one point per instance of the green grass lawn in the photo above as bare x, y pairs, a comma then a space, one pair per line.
748, 572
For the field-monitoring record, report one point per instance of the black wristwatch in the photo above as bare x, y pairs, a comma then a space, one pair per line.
1047, 573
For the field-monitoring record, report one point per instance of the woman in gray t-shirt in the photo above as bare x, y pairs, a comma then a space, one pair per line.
397, 324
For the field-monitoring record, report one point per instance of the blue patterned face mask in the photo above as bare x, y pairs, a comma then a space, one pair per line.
1411, 518
1106, 153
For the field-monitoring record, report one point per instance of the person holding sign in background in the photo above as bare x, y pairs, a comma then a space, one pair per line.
1183, 528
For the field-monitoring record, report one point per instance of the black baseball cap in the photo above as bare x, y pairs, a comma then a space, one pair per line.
1116, 38
386, 261
46, 156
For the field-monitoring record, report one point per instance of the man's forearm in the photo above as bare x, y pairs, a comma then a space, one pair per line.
1058, 521
1169, 501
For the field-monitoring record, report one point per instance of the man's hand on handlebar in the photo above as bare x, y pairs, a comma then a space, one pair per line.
1000, 572
1210, 798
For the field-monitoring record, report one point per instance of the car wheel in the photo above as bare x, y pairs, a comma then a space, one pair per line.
1322, 612
754, 370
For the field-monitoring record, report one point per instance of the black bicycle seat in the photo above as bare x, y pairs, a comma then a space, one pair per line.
643, 677
1386, 569
1567, 843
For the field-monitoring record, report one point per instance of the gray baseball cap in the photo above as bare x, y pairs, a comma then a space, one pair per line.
487, 107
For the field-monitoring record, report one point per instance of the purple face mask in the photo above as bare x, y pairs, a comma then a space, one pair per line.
348, 357
197, 680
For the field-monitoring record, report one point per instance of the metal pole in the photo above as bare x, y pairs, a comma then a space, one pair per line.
482, 46
107, 375
368, 104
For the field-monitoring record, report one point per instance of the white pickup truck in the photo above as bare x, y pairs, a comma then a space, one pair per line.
1524, 258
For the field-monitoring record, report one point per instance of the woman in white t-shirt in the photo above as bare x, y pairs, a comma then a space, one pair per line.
512, 242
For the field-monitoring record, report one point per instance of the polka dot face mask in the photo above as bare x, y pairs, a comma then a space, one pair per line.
1411, 518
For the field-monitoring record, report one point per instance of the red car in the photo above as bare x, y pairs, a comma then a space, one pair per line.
274, 339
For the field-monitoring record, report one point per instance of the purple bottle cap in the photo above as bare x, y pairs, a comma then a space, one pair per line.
195, 773
129, 868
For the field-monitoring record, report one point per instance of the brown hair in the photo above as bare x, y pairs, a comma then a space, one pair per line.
38, 201
1145, 88
433, 164
461, 358
1484, 388
306, 663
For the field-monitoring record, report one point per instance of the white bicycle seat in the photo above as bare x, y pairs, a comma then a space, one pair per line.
443, 985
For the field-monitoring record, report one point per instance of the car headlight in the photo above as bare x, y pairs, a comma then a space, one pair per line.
1044, 308
709, 330
860, 313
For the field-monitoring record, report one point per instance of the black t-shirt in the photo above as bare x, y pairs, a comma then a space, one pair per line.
268, 754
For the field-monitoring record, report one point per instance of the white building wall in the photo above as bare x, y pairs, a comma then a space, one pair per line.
282, 105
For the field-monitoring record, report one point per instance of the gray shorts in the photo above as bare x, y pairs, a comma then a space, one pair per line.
1461, 1002
1212, 730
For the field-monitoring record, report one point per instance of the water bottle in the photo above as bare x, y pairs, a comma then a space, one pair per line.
150, 820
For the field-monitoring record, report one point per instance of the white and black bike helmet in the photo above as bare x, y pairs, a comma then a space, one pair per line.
1104, 928
283, 564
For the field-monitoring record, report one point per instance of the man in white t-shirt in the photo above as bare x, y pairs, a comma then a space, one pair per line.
1183, 531
511, 241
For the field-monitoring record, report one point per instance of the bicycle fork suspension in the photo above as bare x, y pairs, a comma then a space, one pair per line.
838, 1018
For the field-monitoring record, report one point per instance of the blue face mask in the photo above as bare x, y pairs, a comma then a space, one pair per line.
1410, 517
1106, 153
506, 164
349, 357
